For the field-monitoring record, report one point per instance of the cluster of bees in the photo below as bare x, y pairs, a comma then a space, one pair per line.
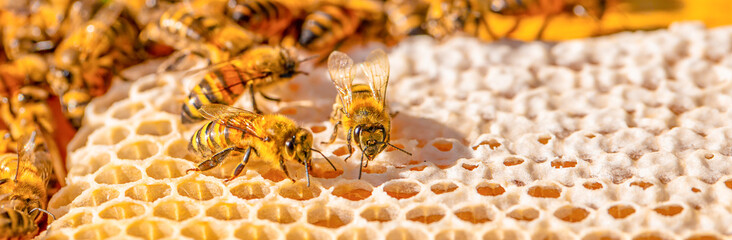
73, 48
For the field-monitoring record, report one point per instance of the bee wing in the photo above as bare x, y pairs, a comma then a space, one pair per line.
376, 68
342, 72
229, 116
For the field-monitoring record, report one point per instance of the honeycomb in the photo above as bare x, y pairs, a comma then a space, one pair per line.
627, 136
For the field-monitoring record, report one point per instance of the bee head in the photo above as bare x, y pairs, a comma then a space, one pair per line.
298, 146
289, 64
371, 139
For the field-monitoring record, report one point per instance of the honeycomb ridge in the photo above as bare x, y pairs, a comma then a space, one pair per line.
619, 137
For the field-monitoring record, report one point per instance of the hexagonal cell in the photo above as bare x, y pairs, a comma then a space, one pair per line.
249, 231
443, 187
354, 191
524, 214
329, 217
155, 128
227, 211
66, 195
322, 169
96, 231
491, 143
278, 213
602, 235
620, 211
125, 112
571, 214
122, 210
358, 234
401, 189
250, 190
137, 150
96, 197
379, 213
474, 214
426, 214
401, 233
563, 164
148, 192
166, 168
109, 136
503, 234
669, 210
454, 235
641, 184
299, 191
74, 220
201, 230
341, 151
93, 163
469, 167
176, 210
592, 185
179, 149
303, 233
512, 161
545, 191
490, 189
652, 236
149, 229
118, 174
199, 189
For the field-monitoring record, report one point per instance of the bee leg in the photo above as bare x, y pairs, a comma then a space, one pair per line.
284, 169
334, 134
4, 180
241, 165
213, 161
514, 27
540, 34
348, 146
268, 97
254, 101
360, 167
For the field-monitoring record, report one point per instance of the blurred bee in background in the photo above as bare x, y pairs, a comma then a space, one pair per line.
268, 18
405, 17
23, 181
28, 68
224, 83
594, 9
326, 28
361, 109
87, 59
446, 17
272, 137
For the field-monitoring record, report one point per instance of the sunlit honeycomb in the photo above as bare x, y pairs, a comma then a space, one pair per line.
627, 136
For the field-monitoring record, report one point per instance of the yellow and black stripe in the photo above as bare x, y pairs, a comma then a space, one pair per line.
183, 22
265, 17
223, 86
405, 17
528, 7
327, 26
16, 224
213, 137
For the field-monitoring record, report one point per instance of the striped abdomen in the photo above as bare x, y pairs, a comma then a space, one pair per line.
213, 137
222, 85
182, 23
265, 17
327, 26
405, 17
16, 224
527, 7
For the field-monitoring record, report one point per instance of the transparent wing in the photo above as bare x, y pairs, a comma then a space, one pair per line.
376, 68
229, 116
342, 72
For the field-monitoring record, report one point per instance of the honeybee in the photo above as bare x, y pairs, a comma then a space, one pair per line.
361, 108
272, 137
445, 17
28, 68
22, 35
90, 56
405, 17
23, 182
224, 83
594, 9
331, 23
268, 18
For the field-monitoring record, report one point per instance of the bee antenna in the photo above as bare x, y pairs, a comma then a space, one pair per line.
404, 151
326, 158
44, 211
308, 58
307, 173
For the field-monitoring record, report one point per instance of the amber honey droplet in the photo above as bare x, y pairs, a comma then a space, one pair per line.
490, 189
545, 191
642, 184
592, 185
492, 144
620, 211
317, 129
443, 146
444, 187
544, 139
469, 167
512, 161
703, 237
527, 214
728, 183
669, 210
563, 164
571, 214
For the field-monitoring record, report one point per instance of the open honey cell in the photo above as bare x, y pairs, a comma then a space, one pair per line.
66, 195
166, 168
426, 214
137, 150
442, 145
278, 213
128, 110
545, 191
150, 229
490, 189
299, 191
505, 234
571, 214
96, 197
620, 211
454, 235
199, 189
122, 210
97, 232
474, 214
491, 143
443, 187
651, 236
602, 235
74, 220
118, 174
379, 213
176, 210
524, 214
249, 231
155, 128
148, 192
329, 217
401, 189
250, 190
354, 191
401, 233
227, 211
109, 136
669, 210
304, 233
202, 230
179, 149
358, 233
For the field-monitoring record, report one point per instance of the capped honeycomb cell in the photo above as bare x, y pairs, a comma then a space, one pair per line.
354, 191
137, 150
176, 210
148, 192
199, 190
255, 232
379, 213
278, 213
329, 217
149, 229
122, 210
227, 211
426, 214
401, 189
